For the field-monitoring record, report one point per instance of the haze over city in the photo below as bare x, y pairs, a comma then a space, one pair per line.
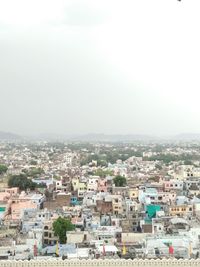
99, 135
113, 67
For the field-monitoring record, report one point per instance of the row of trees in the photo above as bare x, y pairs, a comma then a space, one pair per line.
33, 172
103, 173
110, 156
21, 181
167, 158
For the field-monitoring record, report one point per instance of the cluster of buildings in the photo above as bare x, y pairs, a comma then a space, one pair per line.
154, 214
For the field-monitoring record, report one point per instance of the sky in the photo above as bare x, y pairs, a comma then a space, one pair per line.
100, 66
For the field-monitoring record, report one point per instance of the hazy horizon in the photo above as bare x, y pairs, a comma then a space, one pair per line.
96, 135
112, 67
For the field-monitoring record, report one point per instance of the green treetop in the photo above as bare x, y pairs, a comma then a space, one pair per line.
60, 227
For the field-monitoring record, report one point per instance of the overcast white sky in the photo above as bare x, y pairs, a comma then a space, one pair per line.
101, 66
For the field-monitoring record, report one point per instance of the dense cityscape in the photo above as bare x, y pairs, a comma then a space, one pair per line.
99, 200
99, 133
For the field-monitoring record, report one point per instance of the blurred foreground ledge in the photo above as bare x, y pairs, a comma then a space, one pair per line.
103, 263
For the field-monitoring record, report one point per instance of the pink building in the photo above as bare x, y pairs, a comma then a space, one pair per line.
173, 184
12, 190
102, 185
17, 207
7, 193
4, 196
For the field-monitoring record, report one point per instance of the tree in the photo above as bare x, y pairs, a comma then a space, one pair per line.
33, 172
33, 162
119, 181
3, 169
103, 173
188, 162
60, 227
21, 181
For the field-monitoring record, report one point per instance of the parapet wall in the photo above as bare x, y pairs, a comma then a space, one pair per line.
101, 263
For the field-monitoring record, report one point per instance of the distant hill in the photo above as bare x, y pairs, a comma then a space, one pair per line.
6, 136
99, 137
93, 137
187, 137
112, 138
49, 137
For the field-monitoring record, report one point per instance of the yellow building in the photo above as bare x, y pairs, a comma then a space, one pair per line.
181, 210
117, 204
75, 184
81, 189
133, 193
